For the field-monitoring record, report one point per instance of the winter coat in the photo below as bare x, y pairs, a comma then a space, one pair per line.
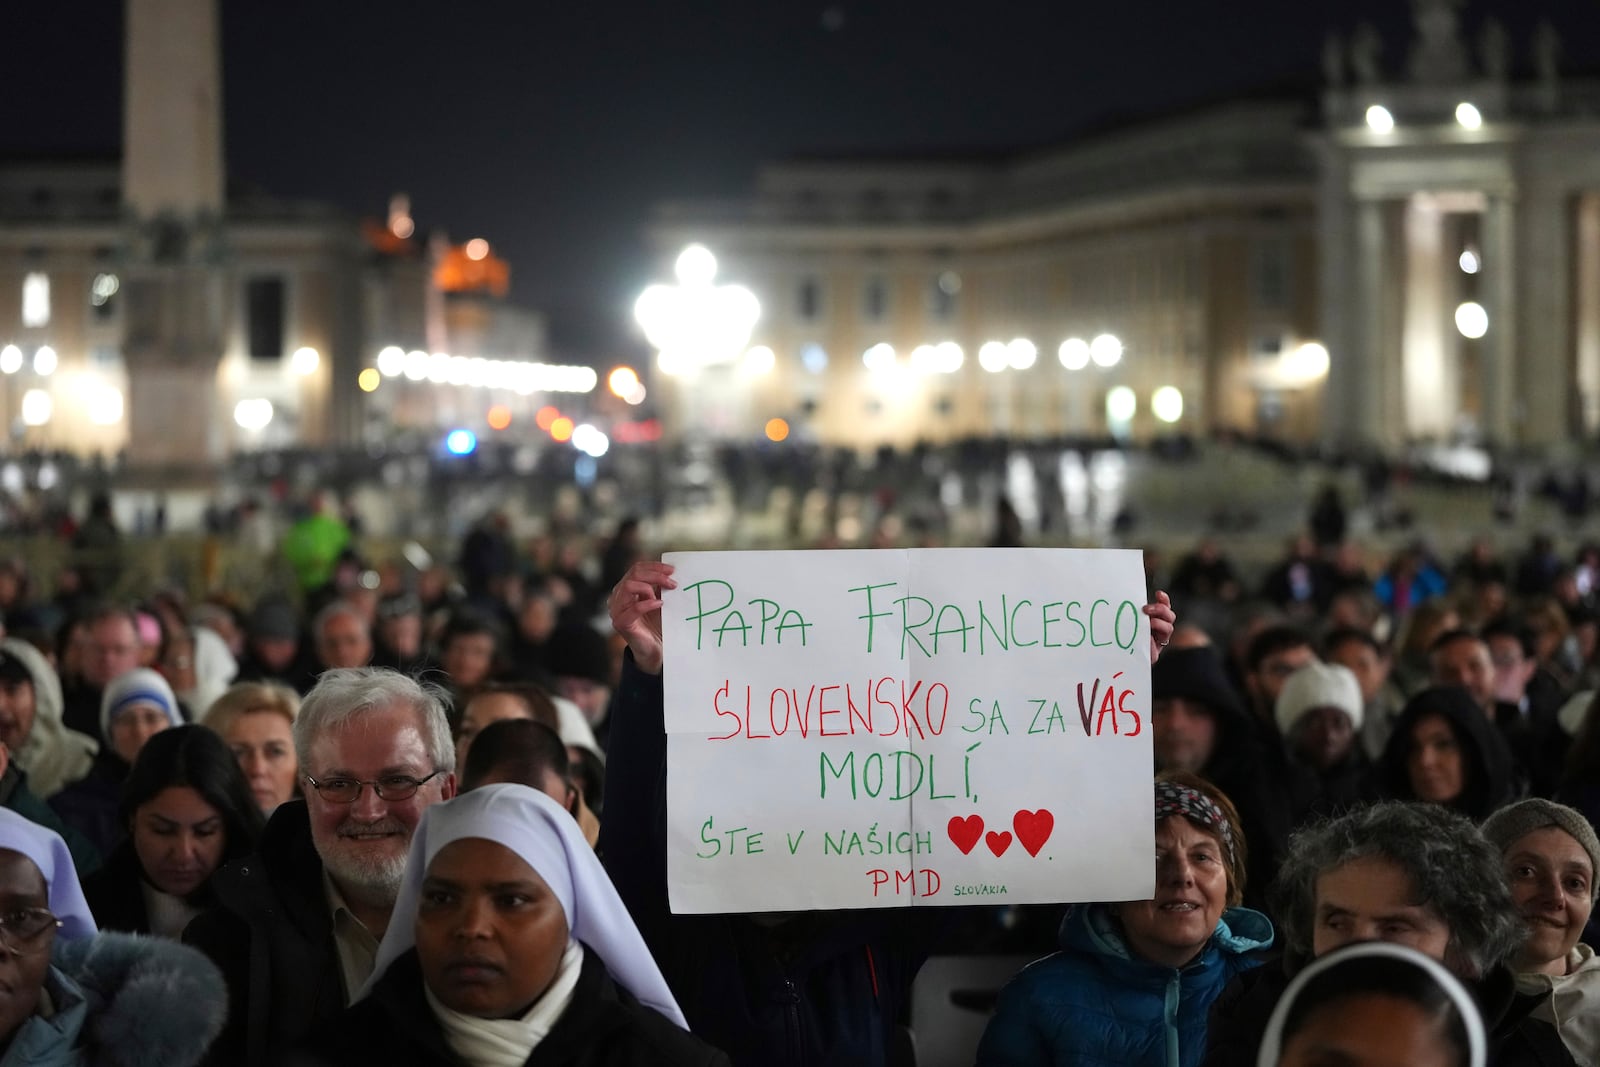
1489, 769
1095, 1003
122, 1001
53, 755
1571, 1003
116, 893
822, 988
603, 1026
90, 804
271, 933
1516, 1038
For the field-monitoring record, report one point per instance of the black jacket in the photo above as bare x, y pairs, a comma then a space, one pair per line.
114, 893
271, 933
89, 805
824, 988
1516, 1039
603, 1026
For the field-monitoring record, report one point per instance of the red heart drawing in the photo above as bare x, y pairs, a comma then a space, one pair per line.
999, 842
1033, 829
965, 832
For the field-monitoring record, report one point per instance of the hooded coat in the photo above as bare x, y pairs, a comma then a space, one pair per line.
1248, 761
1095, 1003
1487, 765
122, 1001
53, 755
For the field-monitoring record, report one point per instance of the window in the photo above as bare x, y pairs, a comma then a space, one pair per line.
264, 307
102, 296
1270, 274
942, 292
808, 300
36, 299
875, 299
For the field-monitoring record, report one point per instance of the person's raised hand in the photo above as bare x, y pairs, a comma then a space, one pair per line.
635, 608
1162, 620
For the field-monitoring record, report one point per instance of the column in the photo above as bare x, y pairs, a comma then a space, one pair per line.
1527, 263
1588, 313
1430, 374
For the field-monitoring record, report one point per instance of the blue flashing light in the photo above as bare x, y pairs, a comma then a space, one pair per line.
461, 442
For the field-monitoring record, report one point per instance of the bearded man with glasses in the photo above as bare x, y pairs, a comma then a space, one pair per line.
296, 927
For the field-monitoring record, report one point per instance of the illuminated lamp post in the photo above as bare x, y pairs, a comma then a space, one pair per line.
695, 324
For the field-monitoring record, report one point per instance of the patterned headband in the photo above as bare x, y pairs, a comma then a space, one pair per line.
1175, 799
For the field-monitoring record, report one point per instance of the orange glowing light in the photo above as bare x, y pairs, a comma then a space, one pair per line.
777, 429
623, 381
499, 417
561, 429
547, 417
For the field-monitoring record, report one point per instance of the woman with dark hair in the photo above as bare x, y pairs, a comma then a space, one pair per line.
1445, 750
1133, 981
187, 809
1375, 1003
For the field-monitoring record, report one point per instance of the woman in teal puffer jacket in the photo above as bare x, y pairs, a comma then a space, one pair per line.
1133, 982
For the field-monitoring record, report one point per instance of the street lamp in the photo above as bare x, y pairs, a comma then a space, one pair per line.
696, 323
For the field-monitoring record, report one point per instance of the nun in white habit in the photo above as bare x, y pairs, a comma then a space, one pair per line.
508, 946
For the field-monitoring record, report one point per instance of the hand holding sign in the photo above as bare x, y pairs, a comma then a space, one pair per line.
635, 609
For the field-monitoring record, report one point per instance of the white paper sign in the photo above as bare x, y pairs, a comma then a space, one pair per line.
868, 729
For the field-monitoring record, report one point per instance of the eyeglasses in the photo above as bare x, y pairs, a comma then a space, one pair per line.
390, 787
23, 930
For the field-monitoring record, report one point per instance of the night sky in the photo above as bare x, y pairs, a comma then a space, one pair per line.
552, 128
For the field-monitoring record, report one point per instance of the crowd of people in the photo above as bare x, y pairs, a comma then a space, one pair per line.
422, 818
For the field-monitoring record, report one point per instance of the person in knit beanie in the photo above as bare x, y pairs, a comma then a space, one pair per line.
1551, 858
1319, 712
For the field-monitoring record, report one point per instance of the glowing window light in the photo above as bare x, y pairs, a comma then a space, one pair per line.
416, 366
10, 359
879, 358
1167, 404
1106, 350
759, 360
37, 407
45, 361
368, 380
36, 300
253, 413
305, 361
590, 441
1472, 320
391, 362
621, 381
1022, 353
1121, 404
993, 357
777, 429
1073, 353
949, 357
105, 407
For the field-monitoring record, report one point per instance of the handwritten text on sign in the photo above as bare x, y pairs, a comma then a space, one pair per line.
886, 728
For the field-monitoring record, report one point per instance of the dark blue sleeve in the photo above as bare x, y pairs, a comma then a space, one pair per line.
633, 833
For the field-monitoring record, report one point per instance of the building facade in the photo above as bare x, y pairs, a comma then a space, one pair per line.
1291, 267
